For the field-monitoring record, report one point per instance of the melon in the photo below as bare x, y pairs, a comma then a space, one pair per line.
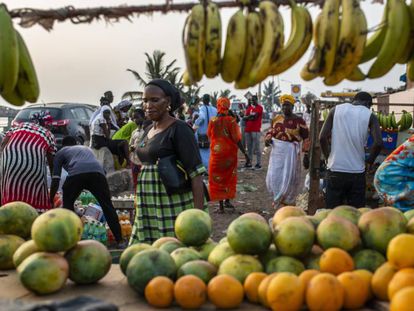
8, 246
240, 266
285, 264
193, 227
200, 268
24, 251
220, 253
183, 255
16, 218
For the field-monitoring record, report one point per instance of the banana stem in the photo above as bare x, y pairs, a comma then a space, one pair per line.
292, 3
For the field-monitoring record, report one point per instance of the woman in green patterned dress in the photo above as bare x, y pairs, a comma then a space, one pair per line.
156, 210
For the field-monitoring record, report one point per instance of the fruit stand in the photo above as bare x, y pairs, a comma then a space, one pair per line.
113, 289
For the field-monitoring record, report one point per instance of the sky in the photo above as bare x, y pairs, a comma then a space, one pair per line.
78, 63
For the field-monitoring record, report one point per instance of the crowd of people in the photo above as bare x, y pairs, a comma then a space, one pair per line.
182, 157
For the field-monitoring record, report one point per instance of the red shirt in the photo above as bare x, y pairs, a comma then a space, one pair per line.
256, 124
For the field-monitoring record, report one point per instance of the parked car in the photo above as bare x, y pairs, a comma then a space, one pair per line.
68, 119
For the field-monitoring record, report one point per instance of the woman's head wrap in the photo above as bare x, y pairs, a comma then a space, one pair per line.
223, 105
42, 118
123, 104
169, 90
287, 98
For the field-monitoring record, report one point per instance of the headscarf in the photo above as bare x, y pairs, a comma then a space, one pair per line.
42, 118
223, 105
169, 90
287, 98
124, 103
98, 114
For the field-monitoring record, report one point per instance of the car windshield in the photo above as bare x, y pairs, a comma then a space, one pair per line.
25, 114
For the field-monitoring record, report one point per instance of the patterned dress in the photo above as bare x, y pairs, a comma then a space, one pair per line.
224, 134
394, 179
23, 173
156, 211
284, 171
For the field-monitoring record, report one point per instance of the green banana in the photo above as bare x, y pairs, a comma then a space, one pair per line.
255, 40
410, 69
273, 39
375, 41
298, 42
27, 83
409, 120
393, 121
351, 42
9, 53
235, 48
328, 35
403, 122
397, 35
212, 60
407, 52
356, 75
13, 98
194, 42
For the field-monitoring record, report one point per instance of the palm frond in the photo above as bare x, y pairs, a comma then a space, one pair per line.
138, 77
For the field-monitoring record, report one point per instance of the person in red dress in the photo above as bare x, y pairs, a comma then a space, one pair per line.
225, 137
288, 130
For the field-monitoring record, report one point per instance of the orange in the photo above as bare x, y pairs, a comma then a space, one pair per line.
324, 293
225, 291
403, 300
190, 292
307, 275
381, 279
285, 292
356, 291
335, 260
159, 292
251, 285
366, 277
397, 253
401, 279
262, 290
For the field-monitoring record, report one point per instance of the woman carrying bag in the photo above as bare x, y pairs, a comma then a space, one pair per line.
167, 141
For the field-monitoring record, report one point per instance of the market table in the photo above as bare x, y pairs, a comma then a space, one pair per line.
113, 288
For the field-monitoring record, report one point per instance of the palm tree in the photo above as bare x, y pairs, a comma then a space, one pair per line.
270, 95
155, 68
227, 93
214, 96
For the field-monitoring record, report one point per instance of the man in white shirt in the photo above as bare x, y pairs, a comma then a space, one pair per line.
348, 125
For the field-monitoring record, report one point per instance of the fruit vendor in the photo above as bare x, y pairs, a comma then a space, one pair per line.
348, 125
394, 179
206, 113
24, 153
84, 173
166, 137
283, 174
224, 134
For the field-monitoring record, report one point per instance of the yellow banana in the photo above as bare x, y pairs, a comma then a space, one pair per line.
328, 35
212, 60
312, 68
235, 48
375, 41
255, 40
186, 78
27, 83
352, 37
9, 52
316, 28
356, 75
397, 35
194, 42
13, 98
273, 38
298, 42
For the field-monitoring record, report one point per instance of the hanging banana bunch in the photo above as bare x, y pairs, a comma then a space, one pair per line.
18, 79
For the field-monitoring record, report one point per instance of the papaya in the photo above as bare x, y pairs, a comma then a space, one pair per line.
8, 246
16, 218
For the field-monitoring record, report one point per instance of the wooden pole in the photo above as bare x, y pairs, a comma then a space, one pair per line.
315, 156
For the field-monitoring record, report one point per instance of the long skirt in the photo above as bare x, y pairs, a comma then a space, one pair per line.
156, 211
23, 175
283, 173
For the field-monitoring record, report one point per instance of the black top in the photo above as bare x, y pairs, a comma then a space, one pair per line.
177, 139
